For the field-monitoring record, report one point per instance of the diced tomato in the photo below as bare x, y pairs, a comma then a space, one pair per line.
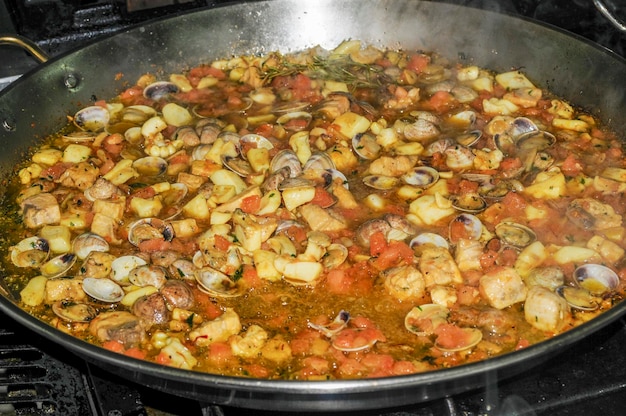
450, 336
522, 343
510, 164
251, 204
378, 362
441, 101
403, 367
418, 62
265, 129
250, 276
378, 243
322, 197
337, 281
514, 204
146, 192
351, 367
220, 353
488, 259
257, 370
55, 171
114, 346
396, 252
163, 359
134, 96
466, 294
179, 158
135, 353
571, 166
221, 243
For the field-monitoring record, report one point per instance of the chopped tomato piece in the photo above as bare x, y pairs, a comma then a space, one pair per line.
451, 336
378, 243
251, 204
322, 197
163, 359
153, 245
135, 353
418, 62
441, 101
114, 346
221, 243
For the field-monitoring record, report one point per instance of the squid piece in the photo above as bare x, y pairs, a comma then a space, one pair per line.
179, 355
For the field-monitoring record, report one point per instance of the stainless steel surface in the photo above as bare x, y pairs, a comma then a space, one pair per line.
573, 68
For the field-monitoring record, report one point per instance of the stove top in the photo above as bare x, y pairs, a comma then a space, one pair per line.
37, 378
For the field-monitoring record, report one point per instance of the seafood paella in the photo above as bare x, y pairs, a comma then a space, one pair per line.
320, 215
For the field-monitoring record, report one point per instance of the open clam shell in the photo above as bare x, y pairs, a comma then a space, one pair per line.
365, 146
422, 320
329, 330
148, 229
88, 242
421, 176
216, 283
30, 252
471, 337
73, 311
470, 202
122, 266
596, 278
514, 234
102, 289
381, 182
150, 166
148, 275
93, 118
578, 298
466, 226
429, 238
58, 265
159, 89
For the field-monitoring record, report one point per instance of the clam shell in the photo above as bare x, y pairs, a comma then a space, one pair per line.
369, 344
421, 176
286, 158
239, 166
30, 252
93, 118
58, 265
423, 319
148, 229
514, 234
339, 323
122, 266
429, 238
472, 226
295, 120
150, 166
578, 298
319, 161
160, 89
216, 283
596, 278
148, 275
472, 337
380, 182
365, 146
74, 312
104, 290
469, 202
88, 242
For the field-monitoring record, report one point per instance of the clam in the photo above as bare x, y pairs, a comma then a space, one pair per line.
514, 234
422, 320
438, 146
363, 343
80, 137
579, 298
329, 330
93, 118
381, 182
239, 166
160, 89
469, 138
148, 275
295, 120
466, 226
365, 145
138, 114
254, 140
122, 266
73, 311
183, 269
199, 152
521, 126
88, 242
421, 176
470, 202
420, 130
549, 277
290, 106
148, 229
150, 166
30, 252
58, 265
298, 182
216, 283
319, 161
459, 157
596, 278
103, 289
471, 337
429, 238
464, 119
229, 136
286, 158
335, 255
540, 140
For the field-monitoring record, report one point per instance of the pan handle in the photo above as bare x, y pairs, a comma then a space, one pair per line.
602, 8
28, 45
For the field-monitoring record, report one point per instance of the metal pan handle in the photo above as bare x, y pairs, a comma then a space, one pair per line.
26, 44
615, 21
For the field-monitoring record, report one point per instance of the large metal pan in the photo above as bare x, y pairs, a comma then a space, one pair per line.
37, 104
